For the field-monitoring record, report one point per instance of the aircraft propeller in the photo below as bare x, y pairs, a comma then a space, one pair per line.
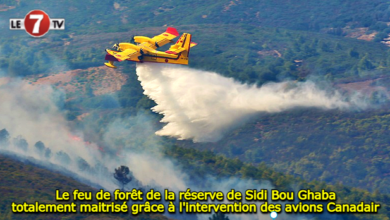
132, 39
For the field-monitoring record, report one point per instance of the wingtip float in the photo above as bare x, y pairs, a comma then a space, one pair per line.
144, 49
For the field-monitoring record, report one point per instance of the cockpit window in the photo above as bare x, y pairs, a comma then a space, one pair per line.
115, 47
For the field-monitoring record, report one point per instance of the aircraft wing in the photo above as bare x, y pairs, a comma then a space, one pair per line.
166, 55
166, 37
123, 55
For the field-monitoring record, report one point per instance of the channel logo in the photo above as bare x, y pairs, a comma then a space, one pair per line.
37, 23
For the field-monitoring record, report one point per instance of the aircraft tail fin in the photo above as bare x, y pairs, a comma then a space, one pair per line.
186, 45
182, 46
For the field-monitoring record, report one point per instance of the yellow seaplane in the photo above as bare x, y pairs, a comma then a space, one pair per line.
144, 49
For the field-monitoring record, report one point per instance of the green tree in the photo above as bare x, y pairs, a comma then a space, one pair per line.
39, 147
219, 216
89, 90
20, 142
47, 153
353, 53
4, 137
365, 64
63, 157
123, 175
380, 36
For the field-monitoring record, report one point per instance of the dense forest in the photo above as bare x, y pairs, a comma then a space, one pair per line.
268, 40
113, 16
252, 55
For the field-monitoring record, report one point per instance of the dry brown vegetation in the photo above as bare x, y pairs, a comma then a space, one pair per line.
273, 53
360, 33
102, 80
365, 86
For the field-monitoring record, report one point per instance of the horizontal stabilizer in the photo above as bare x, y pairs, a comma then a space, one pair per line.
193, 44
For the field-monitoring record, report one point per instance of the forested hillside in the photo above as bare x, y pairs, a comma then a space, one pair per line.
22, 182
249, 54
253, 42
113, 16
38, 184
256, 35
199, 163
336, 147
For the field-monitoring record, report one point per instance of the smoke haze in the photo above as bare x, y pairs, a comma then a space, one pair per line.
33, 113
196, 104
